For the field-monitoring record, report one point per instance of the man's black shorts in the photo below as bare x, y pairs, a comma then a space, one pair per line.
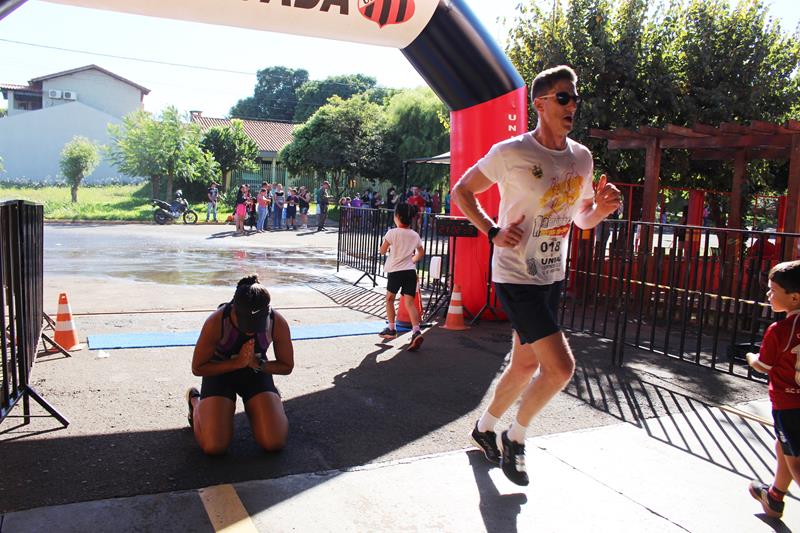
532, 309
245, 382
787, 429
402, 279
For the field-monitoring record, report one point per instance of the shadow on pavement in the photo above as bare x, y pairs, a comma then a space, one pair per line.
498, 511
675, 414
370, 410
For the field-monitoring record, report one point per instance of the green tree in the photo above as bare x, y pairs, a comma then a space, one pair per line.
417, 126
79, 158
274, 96
163, 146
342, 140
232, 149
314, 94
686, 62
3, 112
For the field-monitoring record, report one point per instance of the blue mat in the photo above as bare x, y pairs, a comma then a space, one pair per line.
189, 338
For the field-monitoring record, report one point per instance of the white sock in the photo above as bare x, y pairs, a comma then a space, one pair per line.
517, 432
415, 329
391, 325
487, 422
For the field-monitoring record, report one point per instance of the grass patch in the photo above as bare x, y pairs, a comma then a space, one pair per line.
107, 202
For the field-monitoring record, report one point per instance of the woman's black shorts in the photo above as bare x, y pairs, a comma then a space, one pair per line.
245, 382
402, 279
532, 309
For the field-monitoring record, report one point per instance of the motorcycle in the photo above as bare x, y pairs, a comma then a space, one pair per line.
178, 209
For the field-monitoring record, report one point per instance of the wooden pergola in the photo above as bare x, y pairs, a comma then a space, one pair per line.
728, 141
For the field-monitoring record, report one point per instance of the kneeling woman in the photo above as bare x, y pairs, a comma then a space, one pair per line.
231, 357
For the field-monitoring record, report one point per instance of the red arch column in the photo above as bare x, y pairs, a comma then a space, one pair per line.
474, 131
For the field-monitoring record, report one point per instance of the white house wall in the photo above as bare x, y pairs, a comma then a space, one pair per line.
31, 143
95, 89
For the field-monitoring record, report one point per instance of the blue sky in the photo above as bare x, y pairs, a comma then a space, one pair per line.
62, 28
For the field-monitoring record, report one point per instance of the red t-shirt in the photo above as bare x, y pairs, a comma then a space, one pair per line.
418, 201
778, 353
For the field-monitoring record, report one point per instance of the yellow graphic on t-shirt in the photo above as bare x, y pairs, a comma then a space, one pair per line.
561, 195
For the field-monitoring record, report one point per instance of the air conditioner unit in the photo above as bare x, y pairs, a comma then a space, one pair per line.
53, 93
70, 95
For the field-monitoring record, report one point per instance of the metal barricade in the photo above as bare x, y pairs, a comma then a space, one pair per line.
697, 294
21, 297
361, 232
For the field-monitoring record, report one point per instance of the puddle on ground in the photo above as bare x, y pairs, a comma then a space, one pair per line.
145, 261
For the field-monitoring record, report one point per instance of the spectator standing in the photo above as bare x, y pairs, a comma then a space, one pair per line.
391, 198
291, 209
240, 209
211, 208
278, 201
323, 199
416, 200
263, 208
303, 203
436, 203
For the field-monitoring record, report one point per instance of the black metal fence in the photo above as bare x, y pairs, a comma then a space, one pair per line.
21, 297
361, 232
697, 294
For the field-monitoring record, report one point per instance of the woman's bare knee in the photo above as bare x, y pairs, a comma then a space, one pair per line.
214, 447
272, 443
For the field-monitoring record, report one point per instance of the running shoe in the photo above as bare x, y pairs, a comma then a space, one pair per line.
388, 334
416, 341
487, 442
191, 393
512, 460
760, 491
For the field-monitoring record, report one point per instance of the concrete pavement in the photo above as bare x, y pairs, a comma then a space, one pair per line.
378, 434
686, 472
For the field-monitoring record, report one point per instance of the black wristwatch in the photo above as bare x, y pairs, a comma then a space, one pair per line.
492, 233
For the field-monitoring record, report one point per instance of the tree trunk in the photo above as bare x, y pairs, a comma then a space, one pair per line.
169, 188
226, 180
74, 191
155, 182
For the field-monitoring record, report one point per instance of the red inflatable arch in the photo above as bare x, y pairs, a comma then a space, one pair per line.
442, 39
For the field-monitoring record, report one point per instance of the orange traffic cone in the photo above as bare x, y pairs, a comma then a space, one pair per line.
403, 319
65, 334
455, 313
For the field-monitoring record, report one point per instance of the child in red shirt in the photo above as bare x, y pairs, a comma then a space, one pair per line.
779, 359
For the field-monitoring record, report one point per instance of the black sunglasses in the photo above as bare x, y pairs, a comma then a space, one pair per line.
564, 97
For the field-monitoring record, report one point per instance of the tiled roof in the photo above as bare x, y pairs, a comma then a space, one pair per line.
15, 87
144, 90
269, 136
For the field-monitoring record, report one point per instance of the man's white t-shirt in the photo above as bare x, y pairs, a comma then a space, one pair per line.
547, 186
403, 243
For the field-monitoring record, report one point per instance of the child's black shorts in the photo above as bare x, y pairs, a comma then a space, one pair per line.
787, 429
402, 279
532, 309
245, 382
